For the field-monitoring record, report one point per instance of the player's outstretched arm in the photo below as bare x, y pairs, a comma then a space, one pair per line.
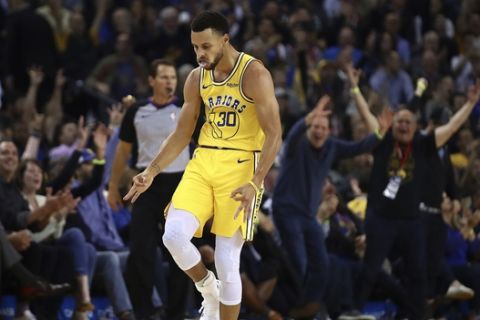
176, 141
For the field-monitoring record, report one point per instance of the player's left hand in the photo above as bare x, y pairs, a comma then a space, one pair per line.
245, 194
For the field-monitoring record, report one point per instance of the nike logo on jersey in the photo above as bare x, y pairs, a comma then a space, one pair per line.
207, 86
241, 161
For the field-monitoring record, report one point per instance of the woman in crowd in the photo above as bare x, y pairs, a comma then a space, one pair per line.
30, 180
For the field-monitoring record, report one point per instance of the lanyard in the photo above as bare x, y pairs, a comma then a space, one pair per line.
405, 154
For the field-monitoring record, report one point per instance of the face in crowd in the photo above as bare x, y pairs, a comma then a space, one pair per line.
8, 159
165, 81
404, 126
68, 133
318, 131
32, 176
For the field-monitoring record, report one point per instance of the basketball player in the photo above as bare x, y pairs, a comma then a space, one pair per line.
237, 146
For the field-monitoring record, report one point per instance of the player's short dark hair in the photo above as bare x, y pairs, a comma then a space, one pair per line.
210, 19
158, 62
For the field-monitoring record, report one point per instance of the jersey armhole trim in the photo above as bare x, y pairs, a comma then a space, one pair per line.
244, 96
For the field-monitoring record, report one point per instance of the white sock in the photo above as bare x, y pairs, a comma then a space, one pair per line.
201, 283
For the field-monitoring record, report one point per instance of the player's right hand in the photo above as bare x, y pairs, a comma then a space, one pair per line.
141, 182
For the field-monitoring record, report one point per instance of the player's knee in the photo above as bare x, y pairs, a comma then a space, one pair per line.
227, 263
227, 267
174, 240
182, 250
231, 290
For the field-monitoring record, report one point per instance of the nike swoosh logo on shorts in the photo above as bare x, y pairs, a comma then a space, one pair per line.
241, 161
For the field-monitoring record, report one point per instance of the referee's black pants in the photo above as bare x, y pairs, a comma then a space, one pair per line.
146, 230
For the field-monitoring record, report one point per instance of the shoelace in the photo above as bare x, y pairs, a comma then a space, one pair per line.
208, 310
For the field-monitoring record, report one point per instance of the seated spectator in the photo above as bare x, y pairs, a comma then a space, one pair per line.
172, 40
378, 47
58, 17
474, 26
22, 52
345, 242
392, 24
462, 243
466, 162
271, 286
17, 218
30, 176
29, 285
121, 73
94, 218
6, 127
392, 82
267, 45
427, 65
346, 38
81, 52
440, 101
66, 139
432, 42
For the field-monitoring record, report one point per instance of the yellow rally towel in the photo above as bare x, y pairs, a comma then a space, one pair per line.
358, 206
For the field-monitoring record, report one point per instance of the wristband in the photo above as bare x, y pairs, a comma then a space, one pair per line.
254, 186
378, 134
355, 90
98, 162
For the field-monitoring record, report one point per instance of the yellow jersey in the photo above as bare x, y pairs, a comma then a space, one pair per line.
231, 117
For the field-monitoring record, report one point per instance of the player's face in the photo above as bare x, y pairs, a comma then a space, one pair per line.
165, 81
208, 46
404, 126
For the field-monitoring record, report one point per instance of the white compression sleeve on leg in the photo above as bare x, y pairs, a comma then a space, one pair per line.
179, 230
227, 263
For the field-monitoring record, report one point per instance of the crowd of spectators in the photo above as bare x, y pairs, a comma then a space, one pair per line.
69, 67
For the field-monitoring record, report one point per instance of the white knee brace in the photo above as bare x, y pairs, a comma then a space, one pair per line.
179, 230
227, 263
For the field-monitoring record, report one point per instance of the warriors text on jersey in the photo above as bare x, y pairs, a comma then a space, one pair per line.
231, 117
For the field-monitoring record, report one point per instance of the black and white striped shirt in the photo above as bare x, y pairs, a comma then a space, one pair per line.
146, 126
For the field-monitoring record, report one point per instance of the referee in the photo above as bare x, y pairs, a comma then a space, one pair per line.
143, 130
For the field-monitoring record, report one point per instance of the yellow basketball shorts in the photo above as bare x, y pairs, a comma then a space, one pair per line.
206, 186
